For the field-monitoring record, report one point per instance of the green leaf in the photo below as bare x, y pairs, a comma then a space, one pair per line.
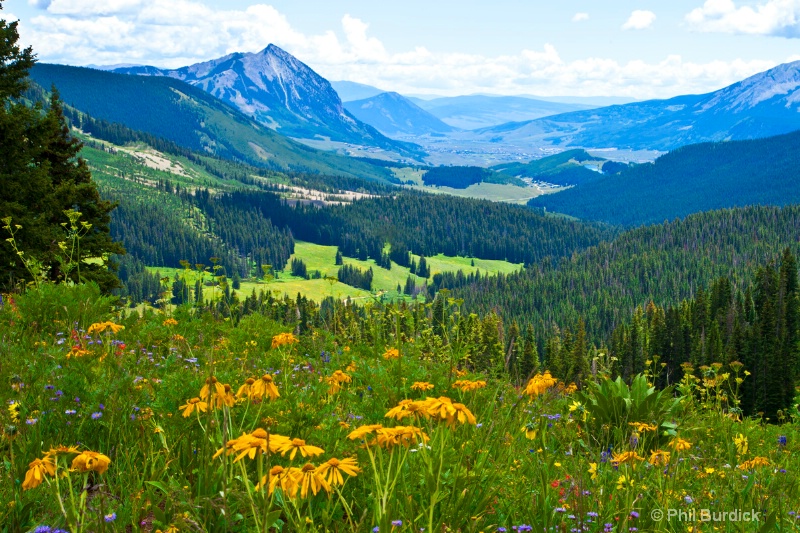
159, 485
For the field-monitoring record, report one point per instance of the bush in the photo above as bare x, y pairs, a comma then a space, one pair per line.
53, 307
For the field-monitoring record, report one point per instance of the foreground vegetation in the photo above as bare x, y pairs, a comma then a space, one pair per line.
185, 422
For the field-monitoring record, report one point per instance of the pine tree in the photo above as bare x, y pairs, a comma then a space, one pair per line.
529, 362
180, 291
489, 352
579, 371
512, 342
790, 327
422, 268
198, 292
339, 261
438, 315
411, 286
42, 177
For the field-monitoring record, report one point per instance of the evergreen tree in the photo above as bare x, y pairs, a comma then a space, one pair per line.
411, 286
789, 298
529, 362
180, 290
299, 268
42, 177
339, 261
198, 292
438, 315
512, 337
579, 370
489, 352
422, 268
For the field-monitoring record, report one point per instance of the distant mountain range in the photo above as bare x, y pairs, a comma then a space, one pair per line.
350, 91
690, 179
478, 111
190, 117
762, 105
282, 93
393, 114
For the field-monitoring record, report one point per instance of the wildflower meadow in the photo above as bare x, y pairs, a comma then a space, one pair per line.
178, 420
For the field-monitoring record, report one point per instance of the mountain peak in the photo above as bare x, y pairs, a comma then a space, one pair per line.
273, 50
781, 82
282, 93
763, 105
395, 115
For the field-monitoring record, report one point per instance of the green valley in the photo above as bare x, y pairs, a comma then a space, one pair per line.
322, 259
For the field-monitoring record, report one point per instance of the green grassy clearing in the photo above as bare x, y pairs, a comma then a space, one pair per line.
323, 258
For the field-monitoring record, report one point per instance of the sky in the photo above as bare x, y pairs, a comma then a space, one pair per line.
639, 48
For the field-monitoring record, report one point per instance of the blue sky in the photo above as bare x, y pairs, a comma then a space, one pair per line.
641, 48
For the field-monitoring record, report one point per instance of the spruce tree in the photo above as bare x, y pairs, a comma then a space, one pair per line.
42, 177
489, 352
579, 370
438, 315
529, 363
410, 287
512, 342
422, 268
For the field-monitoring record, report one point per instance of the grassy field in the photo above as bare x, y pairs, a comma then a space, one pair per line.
485, 191
323, 258
143, 164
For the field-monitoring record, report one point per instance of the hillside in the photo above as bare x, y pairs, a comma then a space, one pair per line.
282, 93
179, 206
664, 263
394, 115
191, 118
571, 167
760, 106
688, 180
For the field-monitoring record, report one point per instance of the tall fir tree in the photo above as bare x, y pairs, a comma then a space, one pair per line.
529, 362
43, 177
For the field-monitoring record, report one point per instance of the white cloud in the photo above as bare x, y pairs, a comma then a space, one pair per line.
580, 16
639, 20
174, 33
775, 17
88, 7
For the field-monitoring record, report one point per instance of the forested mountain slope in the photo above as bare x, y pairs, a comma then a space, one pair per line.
192, 118
690, 179
663, 263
